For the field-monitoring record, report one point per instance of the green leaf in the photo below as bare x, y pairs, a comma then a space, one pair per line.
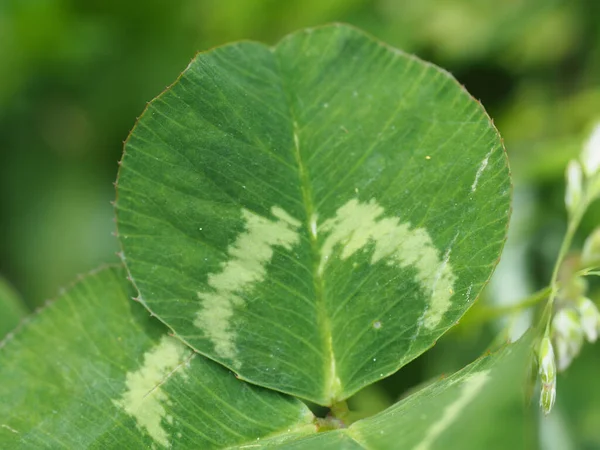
314, 215
479, 407
488, 393
578, 402
12, 308
93, 370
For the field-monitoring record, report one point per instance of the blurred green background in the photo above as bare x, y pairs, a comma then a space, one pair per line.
74, 75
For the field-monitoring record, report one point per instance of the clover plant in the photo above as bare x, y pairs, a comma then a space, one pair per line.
297, 222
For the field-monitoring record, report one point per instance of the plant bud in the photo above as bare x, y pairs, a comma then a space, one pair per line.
547, 366
574, 191
567, 333
548, 396
590, 318
546, 360
590, 156
590, 256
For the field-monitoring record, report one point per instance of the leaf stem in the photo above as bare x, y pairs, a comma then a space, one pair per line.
340, 410
592, 272
588, 271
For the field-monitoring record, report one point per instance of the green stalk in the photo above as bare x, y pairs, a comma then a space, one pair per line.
490, 313
572, 226
340, 410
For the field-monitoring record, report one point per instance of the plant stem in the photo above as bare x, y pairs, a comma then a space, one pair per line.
591, 272
490, 313
588, 271
340, 410
572, 226
337, 418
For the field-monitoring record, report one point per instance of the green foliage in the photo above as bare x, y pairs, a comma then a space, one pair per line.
304, 220
577, 405
312, 223
488, 392
92, 370
12, 309
315, 215
105, 375
76, 74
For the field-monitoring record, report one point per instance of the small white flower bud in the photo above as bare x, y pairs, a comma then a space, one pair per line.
567, 333
590, 318
590, 256
546, 360
590, 156
574, 190
547, 366
548, 397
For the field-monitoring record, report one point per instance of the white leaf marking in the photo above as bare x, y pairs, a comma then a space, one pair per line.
249, 253
144, 399
357, 224
471, 386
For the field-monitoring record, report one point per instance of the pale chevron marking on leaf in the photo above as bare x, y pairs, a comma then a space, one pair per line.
481, 168
356, 224
249, 253
471, 386
144, 399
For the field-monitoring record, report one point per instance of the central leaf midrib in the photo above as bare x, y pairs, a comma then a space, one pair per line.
331, 384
